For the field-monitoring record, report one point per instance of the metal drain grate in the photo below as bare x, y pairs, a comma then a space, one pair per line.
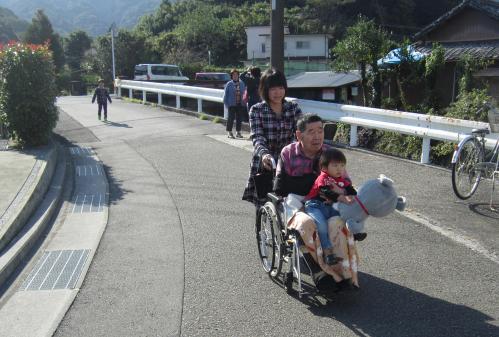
89, 170
58, 269
88, 203
81, 151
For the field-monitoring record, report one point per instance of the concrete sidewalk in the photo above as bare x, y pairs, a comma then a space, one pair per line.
25, 177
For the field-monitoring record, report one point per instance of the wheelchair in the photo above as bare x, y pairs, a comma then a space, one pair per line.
279, 247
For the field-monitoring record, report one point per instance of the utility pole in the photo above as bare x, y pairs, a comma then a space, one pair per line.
277, 35
113, 26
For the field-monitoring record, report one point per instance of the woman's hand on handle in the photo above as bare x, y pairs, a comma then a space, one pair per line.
268, 162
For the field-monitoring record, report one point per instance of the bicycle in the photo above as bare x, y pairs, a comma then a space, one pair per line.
471, 162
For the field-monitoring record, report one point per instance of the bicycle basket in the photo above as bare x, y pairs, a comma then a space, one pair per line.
494, 119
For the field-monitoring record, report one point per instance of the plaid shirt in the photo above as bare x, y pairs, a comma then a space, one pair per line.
269, 135
295, 163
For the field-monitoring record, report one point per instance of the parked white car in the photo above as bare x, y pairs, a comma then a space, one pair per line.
158, 72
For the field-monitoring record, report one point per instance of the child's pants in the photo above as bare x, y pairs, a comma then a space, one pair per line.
102, 105
321, 212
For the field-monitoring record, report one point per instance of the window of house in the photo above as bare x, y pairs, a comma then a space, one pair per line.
302, 44
263, 47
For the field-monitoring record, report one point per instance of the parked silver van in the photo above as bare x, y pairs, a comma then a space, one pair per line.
158, 72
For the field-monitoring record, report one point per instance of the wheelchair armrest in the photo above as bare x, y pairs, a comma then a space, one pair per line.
274, 197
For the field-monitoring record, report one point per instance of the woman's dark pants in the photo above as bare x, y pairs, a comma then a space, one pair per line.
236, 112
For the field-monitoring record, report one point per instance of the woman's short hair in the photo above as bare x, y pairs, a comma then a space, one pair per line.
271, 78
234, 70
330, 155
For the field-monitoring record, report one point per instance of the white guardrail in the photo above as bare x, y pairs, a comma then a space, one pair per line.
425, 126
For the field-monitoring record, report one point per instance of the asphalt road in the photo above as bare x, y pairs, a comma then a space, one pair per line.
179, 256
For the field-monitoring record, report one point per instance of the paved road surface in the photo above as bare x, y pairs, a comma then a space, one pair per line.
178, 257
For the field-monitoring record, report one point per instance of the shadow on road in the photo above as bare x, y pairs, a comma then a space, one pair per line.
484, 210
383, 308
116, 190
121, 125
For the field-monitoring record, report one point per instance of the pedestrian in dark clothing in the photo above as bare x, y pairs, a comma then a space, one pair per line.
252, 80
102, 96
233, 100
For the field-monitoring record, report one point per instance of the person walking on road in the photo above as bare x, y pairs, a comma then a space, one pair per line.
102, 96
272, 127
252, 80
233, 101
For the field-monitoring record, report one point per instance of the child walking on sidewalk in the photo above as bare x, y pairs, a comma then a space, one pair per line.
102, 96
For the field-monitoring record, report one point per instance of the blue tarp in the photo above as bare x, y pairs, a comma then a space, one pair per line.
394, 57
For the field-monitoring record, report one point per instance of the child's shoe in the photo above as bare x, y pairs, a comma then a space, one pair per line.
330, 258
230, 135
359, 236
239, 135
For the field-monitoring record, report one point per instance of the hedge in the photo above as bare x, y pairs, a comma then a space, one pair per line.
28, 92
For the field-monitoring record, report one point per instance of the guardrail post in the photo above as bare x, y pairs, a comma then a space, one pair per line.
425, 151
119, 91
226, 112
178, 101
353, 136
130, 92
200, 105
144, 100
160, 98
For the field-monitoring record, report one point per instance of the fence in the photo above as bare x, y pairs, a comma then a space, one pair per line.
425, 126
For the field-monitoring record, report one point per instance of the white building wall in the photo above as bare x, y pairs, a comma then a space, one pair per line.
312, 45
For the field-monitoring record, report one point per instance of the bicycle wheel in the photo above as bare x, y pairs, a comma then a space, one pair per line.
465, 175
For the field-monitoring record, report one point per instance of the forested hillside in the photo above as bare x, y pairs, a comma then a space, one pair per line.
93, 16
10, 25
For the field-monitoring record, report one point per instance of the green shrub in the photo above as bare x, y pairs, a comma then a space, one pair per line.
28, 92
342, 133
399, 145
203, 117
470, 106
217, 120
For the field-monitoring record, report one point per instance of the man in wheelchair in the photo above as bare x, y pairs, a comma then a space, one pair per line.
296, 171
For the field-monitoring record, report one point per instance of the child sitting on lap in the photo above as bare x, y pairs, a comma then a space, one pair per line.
332, 185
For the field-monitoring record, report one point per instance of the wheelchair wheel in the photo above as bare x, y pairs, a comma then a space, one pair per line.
268, 236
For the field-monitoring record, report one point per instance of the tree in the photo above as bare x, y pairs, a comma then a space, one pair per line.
75, 46
39, 32
364, 43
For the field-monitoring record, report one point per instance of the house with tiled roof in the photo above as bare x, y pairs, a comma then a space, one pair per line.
472, 27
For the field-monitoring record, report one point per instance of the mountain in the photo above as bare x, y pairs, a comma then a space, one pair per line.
11, 27
93, 16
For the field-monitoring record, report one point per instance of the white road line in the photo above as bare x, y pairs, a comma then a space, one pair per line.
83, 203
75, 203
451, 234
